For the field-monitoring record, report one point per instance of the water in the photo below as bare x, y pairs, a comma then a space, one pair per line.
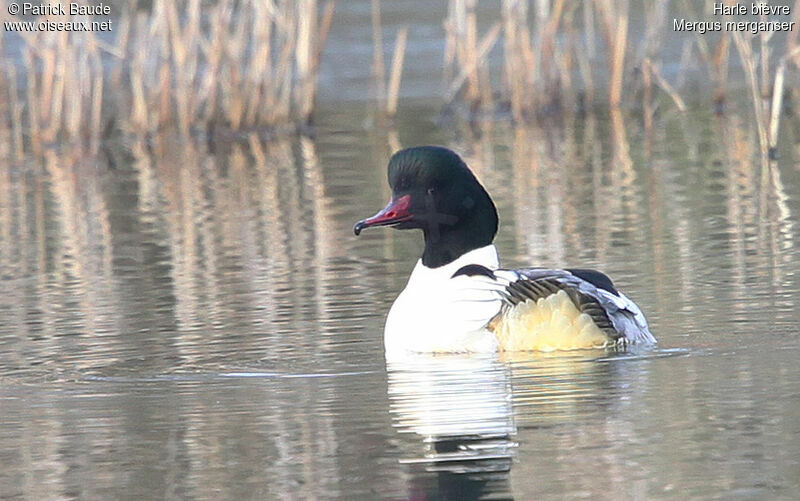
190, 321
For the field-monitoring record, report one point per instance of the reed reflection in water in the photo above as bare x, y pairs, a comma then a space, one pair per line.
197, 321
137, 270
173, 246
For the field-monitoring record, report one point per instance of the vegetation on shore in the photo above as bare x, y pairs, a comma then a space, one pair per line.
182, 66
559, 56
238, 66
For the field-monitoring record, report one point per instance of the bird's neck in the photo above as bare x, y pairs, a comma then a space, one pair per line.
445, 244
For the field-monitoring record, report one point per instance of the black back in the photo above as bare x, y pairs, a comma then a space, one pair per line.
596, 278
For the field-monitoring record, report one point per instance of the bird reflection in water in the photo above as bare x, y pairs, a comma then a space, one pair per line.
458, 409
466, 415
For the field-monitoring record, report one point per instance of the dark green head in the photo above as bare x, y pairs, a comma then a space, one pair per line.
434, 190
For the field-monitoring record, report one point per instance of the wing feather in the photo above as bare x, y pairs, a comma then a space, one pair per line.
610, 310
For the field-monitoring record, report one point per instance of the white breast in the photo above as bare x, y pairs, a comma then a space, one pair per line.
437, 313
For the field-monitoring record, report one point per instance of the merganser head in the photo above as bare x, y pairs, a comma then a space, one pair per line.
434, 190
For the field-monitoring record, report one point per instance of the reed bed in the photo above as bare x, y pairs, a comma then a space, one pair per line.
236, 66
183, 66
60, 93
560, 56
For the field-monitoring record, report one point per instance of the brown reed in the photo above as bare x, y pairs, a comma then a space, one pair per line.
467, 54
182, 66
386, 92
397, 72
551, 50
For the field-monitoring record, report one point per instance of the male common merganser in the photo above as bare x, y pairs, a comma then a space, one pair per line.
458, 299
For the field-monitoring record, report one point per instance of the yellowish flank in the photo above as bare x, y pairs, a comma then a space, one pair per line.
549, 324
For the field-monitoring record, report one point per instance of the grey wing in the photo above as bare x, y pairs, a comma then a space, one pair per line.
590, 291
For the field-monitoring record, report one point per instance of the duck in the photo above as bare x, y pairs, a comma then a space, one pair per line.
459, 299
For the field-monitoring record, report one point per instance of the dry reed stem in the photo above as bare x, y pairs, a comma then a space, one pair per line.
33, 106
618, 62
777, 99
486, 44
775, 109
324, 31
719, 69
466, 51
647, 96
764, 66
667, 88
16, 113
586, 53
547, 44
397, 71
517, 65
305, 57
745, 50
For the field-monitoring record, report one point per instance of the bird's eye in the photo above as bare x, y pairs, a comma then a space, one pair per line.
430, 191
